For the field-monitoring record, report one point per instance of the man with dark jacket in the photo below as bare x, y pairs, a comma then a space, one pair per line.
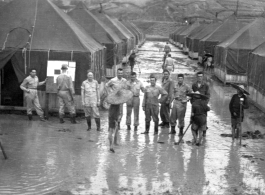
132, 60
168, 86
238, 100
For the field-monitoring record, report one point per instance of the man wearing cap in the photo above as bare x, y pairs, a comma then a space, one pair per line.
134, 103
115, 84
199, 111
238, 100
150, 104
65, 93
90, 96
203, 88
168, 86
29, 86
180, 100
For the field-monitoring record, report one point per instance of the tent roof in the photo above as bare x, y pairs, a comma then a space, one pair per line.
205, 31
197, 30
122, 28
108, 22
260, 50
181, 29
248, 37
228, 28
189, 29
102, 33
44, 25
131, 28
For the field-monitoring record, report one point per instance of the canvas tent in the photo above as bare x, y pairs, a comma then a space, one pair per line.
142, 35
108, 22
176, 32
133, 30
182, 35
100, 32
35, 31
194, 39
224, 31
256, 75
231, 56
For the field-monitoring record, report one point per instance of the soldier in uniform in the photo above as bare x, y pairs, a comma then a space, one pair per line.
65, 94
150, 104
168, 85
134, 103
204, 89
179, 105
90, 96
115, 84
29, 86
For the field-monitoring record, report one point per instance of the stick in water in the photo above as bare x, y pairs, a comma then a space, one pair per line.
3, 151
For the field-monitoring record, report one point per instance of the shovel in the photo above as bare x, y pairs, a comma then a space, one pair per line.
180, 139
3, 151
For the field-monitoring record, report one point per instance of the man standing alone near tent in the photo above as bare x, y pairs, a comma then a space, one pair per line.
65, 94
204, 89
134, 102
117, 83
29, 85
90, 97
132, 60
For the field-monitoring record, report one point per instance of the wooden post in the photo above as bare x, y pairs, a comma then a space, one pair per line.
47, 96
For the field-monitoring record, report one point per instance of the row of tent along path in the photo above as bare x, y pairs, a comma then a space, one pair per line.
238, 47
35, 31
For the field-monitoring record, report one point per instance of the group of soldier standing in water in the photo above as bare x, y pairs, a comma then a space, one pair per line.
174, 96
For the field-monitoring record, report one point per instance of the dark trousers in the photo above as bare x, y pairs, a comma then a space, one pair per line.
165, 113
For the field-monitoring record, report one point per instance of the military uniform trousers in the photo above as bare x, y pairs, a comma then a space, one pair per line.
178, 113
32, 100
91, 111
151, 111
133, 104
65, 100
165, 113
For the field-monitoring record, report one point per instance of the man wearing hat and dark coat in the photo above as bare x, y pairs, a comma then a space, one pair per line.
90, 97
150, 104
199, 111
234, 107
168, 85
203, 88
65, 94
132, 60
180, 100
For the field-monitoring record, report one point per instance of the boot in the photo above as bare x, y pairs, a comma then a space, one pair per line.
42, 119
147, 127
73, 121
30, 117
181, 131
98, 124
172, 130
61, 118
128, 127
135, 128
166, 125
88, 120
156, 128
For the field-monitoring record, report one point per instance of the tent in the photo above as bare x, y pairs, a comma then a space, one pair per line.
192, 33
231, 56
182, 35
35, 31
128, 33
136, 34
224, 31
256, 75
142, 35
194, 39
178, 31
106, 20
100, 32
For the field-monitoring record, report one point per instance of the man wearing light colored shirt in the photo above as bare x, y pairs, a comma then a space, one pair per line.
169, 63
29, 86
115, 84
134, 103
65, 94
90, 96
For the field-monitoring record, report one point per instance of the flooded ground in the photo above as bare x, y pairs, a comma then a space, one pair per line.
64, 159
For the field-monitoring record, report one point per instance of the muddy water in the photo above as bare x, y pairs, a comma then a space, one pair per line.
52, 158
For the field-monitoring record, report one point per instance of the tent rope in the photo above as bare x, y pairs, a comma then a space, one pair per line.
33, 28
